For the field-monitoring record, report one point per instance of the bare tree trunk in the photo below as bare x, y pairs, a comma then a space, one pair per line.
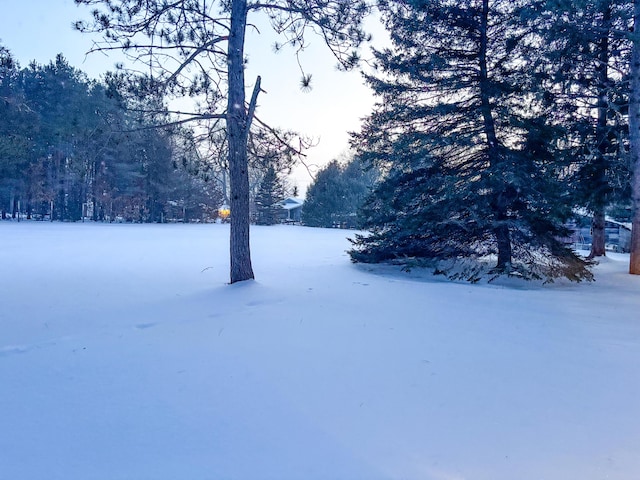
237, 126
501, 231
225, 188
598, 234
14, 206
503, 237
634, 140
601, 134
94, 190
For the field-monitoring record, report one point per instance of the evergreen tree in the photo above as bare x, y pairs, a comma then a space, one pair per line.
634, 140
324, 198
271, 191
71, 147
193, 189
17, 126
336, 195
462, 138
587, 59
57, 95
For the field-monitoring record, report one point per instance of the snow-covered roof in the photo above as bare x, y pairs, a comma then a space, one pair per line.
291, 202
626, 225
585, 213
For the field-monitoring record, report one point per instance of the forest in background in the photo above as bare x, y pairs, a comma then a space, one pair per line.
497, 121
73, 148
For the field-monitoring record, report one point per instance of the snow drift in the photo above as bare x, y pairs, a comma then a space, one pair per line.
125, 355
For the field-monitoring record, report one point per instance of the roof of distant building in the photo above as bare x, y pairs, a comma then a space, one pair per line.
291, 202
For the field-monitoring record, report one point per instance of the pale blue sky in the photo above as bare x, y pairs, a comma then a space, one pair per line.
40, 29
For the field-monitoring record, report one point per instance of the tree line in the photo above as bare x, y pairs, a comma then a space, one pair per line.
73, 148
496, 119
336, 195
497, 122
197, 49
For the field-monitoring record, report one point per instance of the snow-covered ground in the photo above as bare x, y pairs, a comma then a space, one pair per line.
125, 355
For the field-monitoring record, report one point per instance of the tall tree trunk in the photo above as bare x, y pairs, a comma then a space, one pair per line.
634, 141
237, 126
94, 189
501, 230
14, 206
601, 134
598, 234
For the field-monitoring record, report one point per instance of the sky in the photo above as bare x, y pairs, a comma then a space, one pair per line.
40, 29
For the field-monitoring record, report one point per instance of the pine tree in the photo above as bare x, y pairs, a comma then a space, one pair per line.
58, 95
71, 147
271, 191
198, 49
464, 143
587, 59
17, 126
336, 195
324, 198
634, 140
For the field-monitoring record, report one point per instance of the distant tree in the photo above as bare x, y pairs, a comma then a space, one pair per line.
465, 145
271, 191
336, 195
359, 181
264, 151
634, 140
58, 95
587, 60
72, 148
183, 43
89, 154
17, 128
192, 198
194, 186
324, 197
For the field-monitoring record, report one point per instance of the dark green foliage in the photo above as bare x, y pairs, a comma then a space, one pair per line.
621, 212
72, 149
336, 195
17, 124
587, 62
471, 180
271, 191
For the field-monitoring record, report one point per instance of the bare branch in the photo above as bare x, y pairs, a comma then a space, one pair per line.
276, 134
252, 104
191, 57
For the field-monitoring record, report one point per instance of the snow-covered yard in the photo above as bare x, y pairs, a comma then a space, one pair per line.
124, 355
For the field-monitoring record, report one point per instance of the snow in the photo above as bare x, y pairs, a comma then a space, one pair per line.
125, 355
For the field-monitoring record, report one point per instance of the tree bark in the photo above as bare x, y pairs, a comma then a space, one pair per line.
237, 126
598, 234
634, 141
501, 231
601, 134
